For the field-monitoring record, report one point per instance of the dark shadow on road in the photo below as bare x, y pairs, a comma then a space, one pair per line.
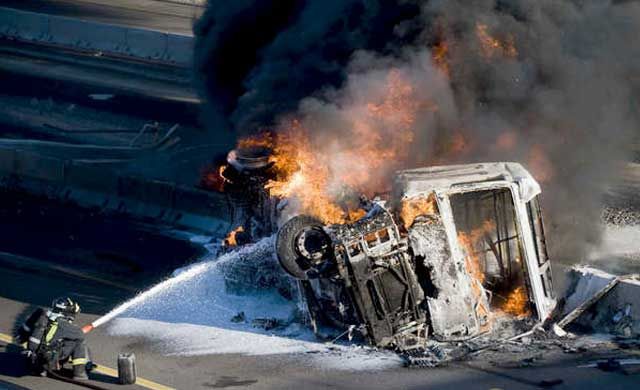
11, 386
522, 381
93, 376
12, 362
230, 381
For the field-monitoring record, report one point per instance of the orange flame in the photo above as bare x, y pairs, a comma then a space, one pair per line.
491, 47
517, 303
262, 140
354, 215
213, 178
469, 241
440, 53
412, 208
300, 174
231, 239
315, 173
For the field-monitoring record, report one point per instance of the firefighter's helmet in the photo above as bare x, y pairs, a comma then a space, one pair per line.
65, 306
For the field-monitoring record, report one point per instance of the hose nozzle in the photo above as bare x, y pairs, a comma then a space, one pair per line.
87, 328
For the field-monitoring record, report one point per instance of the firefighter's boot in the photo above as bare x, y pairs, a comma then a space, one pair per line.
80, 372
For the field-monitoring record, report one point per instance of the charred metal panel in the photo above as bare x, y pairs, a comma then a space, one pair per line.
381, 277
388, 296
453, 304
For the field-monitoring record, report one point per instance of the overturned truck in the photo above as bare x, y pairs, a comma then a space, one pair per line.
452, 249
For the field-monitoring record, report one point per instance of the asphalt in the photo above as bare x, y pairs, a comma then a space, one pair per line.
162, 15
34, 268
275, 372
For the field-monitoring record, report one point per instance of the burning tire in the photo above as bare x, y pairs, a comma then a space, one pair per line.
302, 246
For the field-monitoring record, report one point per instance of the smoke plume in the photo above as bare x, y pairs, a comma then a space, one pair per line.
548, 83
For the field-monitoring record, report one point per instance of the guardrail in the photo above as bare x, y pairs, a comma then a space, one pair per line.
93, 36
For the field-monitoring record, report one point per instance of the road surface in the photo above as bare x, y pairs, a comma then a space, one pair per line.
163, 15
264, 372
42, 273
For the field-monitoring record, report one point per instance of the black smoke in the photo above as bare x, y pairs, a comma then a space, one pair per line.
257, 59
568, 96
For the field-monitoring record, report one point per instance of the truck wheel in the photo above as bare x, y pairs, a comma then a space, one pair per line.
301, 244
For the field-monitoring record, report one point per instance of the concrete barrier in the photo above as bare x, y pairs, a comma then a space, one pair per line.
101, 187
86, 35
146, 44
179, 48
29, 26
617, 312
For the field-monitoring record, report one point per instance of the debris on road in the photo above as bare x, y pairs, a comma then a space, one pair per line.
238, 318
430, 356
578, 311
267, 323
614, 365
550, 383
610, 365
597, 301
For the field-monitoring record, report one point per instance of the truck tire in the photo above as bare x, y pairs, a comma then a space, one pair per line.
289, 255
127, 368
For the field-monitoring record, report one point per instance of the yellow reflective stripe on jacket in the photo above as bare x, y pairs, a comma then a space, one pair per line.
78, 361
52, 332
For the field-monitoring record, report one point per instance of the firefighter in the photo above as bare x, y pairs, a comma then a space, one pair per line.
53, 339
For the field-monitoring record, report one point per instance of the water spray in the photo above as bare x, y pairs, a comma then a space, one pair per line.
158, 288
186, 275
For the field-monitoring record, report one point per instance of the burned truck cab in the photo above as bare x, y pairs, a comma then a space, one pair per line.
454, 249
478, 232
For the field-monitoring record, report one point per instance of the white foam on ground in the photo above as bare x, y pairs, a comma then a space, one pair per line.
183, 339
619, 241
192, 316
